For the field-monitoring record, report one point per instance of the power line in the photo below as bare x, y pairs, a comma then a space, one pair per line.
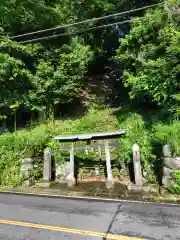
87, 21
82, 30
75, 32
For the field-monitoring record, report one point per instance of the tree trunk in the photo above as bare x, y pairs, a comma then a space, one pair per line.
51, 114
42, 116
15, 121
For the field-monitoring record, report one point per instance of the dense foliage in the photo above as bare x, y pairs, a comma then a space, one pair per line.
150, 55
134, 64
38, 77
32, 79
32, 142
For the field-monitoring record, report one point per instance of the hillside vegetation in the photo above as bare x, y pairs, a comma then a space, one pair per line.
122, 76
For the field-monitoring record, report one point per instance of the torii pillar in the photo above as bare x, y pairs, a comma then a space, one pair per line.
110, 180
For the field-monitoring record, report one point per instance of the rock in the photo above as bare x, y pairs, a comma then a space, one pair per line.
146, 189
172, 163
26, 161
135, 188
154, 190
177, 162
167, 171
62, 171
167, 176
26, 168
141, 189
163, 190
124, 173
167, 150
43, 184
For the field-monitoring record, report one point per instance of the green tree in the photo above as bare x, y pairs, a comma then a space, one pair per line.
14, 82
19, 16
59, 81
150, 55
47, 73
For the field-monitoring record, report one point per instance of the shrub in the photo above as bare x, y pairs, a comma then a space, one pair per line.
150, 136
32, 142
175, 188
136, 132
168, 133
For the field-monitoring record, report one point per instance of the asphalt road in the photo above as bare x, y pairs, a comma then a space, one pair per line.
40, 218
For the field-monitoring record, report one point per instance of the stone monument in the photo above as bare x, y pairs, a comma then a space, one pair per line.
137, 165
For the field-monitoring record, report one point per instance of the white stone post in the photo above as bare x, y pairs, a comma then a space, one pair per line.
70, 178
137, 165
110, 180
47, 171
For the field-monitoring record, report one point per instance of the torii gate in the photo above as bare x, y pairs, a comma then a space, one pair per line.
105, 136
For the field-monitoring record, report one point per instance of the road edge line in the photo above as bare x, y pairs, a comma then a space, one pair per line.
84, 198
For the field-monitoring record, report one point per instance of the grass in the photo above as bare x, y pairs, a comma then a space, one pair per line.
32, 142
149, 135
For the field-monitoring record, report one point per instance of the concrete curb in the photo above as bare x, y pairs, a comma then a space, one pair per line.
157, 201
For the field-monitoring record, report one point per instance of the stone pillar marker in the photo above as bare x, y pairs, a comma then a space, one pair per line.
70, 178
137, 165
47, 171
110, 180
